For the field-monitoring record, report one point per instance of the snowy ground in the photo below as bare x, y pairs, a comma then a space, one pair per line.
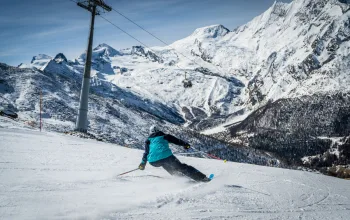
53, 176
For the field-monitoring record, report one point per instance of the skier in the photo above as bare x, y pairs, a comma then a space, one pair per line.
158, 154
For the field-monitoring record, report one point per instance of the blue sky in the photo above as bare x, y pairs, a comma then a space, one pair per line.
32, 27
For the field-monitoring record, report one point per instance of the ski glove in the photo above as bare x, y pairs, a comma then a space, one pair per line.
142, 166
187, 146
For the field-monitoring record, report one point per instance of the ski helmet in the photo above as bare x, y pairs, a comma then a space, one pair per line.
153, 129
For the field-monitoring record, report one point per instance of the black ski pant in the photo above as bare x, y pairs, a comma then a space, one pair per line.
174, 167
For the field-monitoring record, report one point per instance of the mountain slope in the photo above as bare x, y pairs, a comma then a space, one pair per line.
115, 114
277, 71
290, 50
301, 91
50, 176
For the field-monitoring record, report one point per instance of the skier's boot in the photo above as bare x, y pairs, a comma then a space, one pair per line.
205, 179
208, 179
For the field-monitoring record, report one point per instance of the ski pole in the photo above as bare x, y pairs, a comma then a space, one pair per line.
128, 172
210, 155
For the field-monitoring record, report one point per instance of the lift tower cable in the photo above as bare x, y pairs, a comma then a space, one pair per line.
91, 6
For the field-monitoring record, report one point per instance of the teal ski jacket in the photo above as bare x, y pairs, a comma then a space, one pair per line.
157, 146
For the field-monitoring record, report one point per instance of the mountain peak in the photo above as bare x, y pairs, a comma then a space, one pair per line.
41, 57
59, 58
103, 45
212, 31
108, 50
102, 50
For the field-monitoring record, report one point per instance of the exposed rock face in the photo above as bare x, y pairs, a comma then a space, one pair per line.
298, 128
335, 161
141, 51
60, 58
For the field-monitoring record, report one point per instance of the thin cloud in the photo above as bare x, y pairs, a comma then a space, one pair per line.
8, 53
55, 31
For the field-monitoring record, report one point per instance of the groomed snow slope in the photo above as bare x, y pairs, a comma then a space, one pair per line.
53, 176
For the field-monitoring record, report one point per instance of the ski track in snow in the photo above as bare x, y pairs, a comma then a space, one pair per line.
54, 176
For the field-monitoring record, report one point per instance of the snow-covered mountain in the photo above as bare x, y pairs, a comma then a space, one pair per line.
115, 114
297, 81
292, 52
